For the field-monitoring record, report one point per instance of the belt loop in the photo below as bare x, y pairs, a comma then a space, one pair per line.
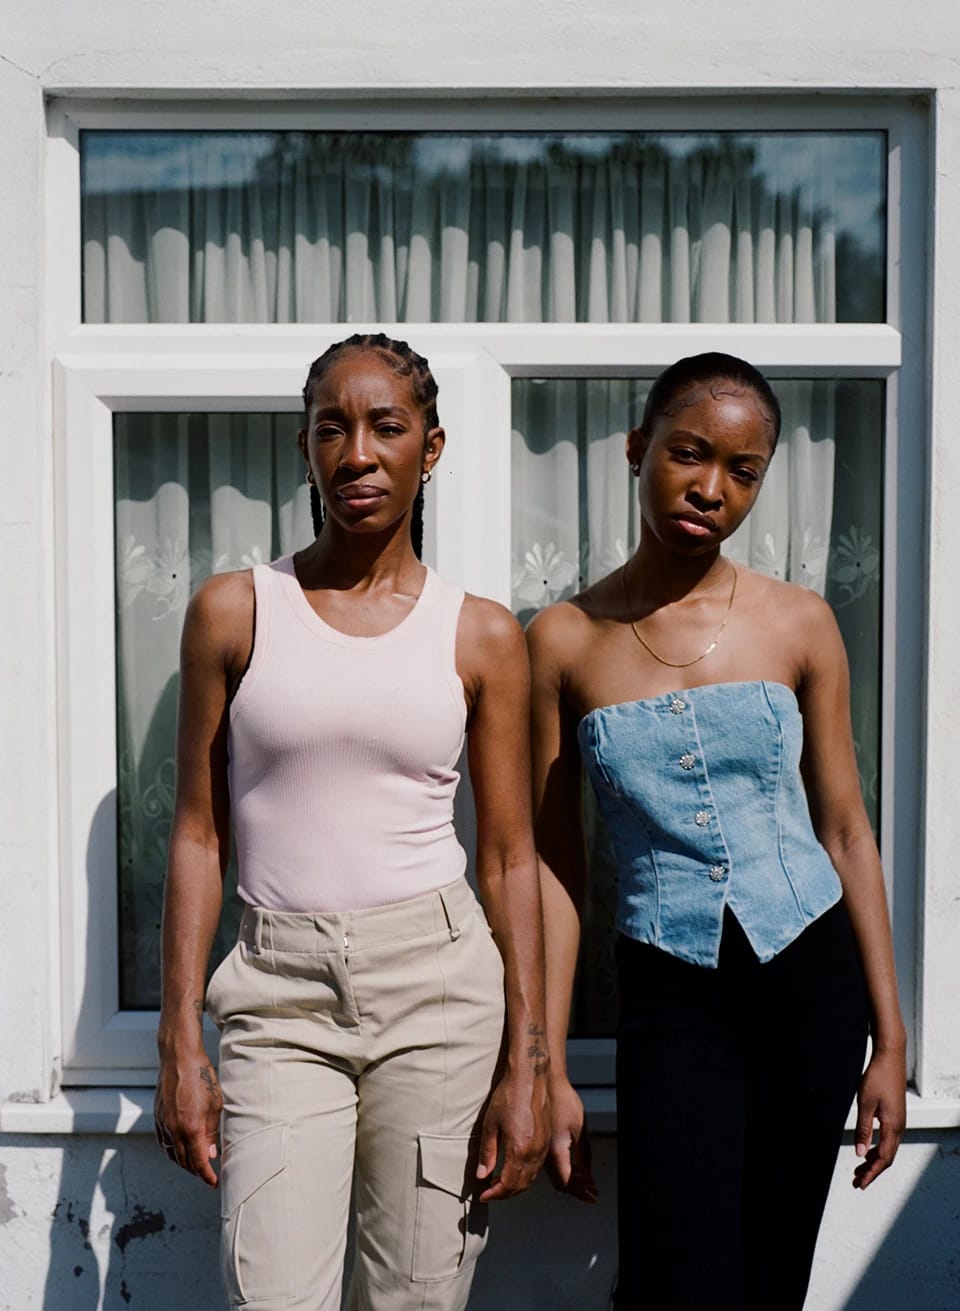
453, 927
258, 932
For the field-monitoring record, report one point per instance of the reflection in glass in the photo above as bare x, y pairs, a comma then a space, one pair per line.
818, 521
195, 494
287, 227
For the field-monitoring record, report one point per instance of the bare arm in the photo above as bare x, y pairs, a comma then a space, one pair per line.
840, 821
558, 831
188, 1101
498, 687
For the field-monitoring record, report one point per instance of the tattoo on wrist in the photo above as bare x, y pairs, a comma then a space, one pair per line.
209, 1079
536, 1052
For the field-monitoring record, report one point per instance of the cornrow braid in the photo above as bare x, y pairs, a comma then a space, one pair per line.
402, 359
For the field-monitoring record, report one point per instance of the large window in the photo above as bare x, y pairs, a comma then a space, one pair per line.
548, 275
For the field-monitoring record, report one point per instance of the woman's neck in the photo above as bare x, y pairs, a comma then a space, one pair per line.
660, 576
344, 561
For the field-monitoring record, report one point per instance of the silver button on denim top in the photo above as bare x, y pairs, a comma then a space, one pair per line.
705, 807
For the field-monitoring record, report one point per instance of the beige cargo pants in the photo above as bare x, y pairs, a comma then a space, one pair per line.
357, 1051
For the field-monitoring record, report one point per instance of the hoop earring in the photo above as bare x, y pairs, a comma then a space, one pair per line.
308, 478
425, 477
635, 470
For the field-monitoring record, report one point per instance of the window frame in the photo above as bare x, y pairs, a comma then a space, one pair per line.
100, 370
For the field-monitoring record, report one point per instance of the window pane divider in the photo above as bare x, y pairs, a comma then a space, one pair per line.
230, 357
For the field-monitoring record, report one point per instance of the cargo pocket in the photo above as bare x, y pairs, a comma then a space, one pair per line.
253, 1256
450, 1229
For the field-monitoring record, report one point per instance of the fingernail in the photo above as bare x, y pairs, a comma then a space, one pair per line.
861, 1149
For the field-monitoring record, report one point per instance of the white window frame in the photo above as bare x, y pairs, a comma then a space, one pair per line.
99, 371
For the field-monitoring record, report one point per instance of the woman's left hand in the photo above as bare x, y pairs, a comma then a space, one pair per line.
515, 1127
882, 1097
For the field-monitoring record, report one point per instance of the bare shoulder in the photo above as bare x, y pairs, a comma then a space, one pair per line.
800, 619
491, 655
792, 602
557, 629
220, 616
488, 626
222, 596
563, 633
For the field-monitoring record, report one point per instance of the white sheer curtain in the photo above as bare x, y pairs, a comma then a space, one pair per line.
276, 228
321, 228
195, 495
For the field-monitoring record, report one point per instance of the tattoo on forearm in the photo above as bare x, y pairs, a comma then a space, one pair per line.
198, 1008
536, 1050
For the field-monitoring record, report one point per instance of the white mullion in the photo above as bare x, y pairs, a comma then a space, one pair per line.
239, 361
907, 428
86, 695
486, 438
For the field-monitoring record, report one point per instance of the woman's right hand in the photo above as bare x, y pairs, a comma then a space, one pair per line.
568, 1158
186, 1113
215, 648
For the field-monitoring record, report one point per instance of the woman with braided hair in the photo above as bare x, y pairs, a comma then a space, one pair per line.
323, 705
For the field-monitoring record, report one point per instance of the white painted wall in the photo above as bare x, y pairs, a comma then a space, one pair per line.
892, 1248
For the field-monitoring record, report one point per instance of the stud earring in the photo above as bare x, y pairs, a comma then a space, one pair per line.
425, 477
635, 470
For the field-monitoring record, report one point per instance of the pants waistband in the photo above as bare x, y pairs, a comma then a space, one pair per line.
444, 909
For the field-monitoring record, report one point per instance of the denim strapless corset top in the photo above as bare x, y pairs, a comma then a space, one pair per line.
705, 808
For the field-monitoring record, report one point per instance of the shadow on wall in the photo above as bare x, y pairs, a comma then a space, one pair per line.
918, 1262
548, 1252
128, 1232
127, 1229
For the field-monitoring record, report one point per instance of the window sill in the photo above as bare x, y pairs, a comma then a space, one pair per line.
83, 1110
130, 1110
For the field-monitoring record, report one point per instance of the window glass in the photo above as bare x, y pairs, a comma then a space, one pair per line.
195, 494
818, 521
284, 227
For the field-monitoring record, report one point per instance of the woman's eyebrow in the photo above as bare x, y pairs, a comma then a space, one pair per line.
686, 435
376, 412
384, 411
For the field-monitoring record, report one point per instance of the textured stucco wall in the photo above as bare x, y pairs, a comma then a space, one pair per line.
129, 1231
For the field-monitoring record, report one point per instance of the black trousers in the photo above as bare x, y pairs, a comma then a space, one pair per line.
733, 1086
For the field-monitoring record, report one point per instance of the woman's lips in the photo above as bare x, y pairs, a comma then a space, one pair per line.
360, 496
697, 525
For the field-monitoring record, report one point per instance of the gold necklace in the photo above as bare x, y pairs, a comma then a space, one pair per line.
680, 664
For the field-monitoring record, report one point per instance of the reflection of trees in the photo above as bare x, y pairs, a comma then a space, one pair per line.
363, 200
860, 277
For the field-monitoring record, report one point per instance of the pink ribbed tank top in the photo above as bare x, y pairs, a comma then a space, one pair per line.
343, 753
